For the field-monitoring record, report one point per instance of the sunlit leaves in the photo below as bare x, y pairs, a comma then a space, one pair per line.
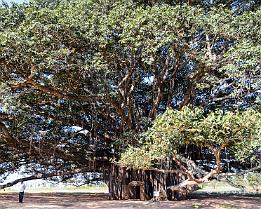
245, 56
237, 131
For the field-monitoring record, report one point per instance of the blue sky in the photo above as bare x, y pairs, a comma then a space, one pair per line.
17, 1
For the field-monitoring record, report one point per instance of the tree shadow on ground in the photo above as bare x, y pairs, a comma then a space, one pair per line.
100, 201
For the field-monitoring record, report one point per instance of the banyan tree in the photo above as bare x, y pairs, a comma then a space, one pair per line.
152, 94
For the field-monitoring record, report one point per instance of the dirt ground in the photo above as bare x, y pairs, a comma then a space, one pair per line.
100, 201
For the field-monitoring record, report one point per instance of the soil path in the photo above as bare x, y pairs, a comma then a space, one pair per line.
100, 201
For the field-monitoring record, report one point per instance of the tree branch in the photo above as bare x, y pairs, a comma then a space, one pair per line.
160, 84
29, 83
41, 176
30, 148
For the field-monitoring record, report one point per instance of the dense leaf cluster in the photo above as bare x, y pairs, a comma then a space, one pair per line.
237, 132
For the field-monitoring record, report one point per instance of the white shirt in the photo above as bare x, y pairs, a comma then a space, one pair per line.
22, 187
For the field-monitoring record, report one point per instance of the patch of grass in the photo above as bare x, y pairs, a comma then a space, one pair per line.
226, 205
196, 205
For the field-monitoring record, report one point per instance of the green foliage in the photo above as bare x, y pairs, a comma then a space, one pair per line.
237, 131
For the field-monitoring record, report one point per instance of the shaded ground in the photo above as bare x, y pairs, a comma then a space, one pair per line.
99, 201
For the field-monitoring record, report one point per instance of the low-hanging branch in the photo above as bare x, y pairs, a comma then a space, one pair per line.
35, 151
40, 175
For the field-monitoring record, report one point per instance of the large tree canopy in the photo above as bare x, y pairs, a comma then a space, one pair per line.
81, 79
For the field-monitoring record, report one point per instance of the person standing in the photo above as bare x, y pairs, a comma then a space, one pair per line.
21, 192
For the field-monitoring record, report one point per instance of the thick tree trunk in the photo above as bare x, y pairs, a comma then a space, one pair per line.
139, 184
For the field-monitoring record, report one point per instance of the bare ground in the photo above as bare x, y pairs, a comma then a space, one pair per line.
100, 201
